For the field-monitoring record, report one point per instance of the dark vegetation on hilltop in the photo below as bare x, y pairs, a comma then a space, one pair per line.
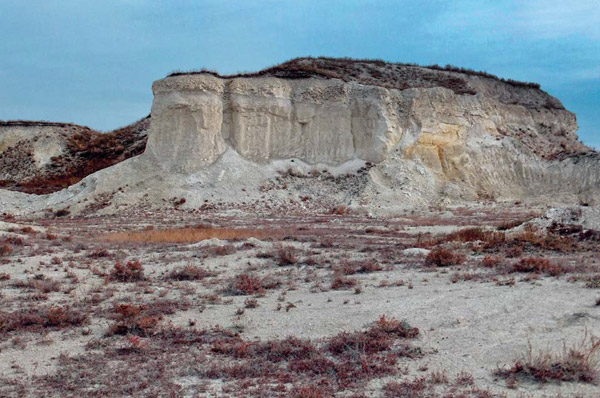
42, 123
374, 71
86, 151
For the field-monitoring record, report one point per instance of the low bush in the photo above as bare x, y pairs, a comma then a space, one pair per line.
133, 319
359, 267
190, 273
472, 235
491, 261
579, 363
246, 284
538, 265
221, 250
341, 283
379, 337
287, 255
441, 257
39, 282
32, 319
5, 250
132, 271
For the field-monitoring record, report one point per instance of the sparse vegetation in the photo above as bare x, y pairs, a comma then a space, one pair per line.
287, 255
246, 284
442, 257
190, 273
131, 271
5, 250
133, 319
141, 339
189, 235
579, 362
538, 265
37, 319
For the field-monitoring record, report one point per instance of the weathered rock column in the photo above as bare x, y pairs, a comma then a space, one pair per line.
187, 116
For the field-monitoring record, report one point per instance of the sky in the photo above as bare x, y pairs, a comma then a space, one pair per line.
93, 62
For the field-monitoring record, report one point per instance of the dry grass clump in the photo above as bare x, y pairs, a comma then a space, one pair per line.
39, 282
379, 337
101, 253
132, 271
406, 389
340, 210
190, 235
592, 281
359, 267
472, 235
190, 273
491, 261
442, 257
341, 283
512, 245
539, 266
287, 255
32, 319
5, 250
311, 392
578, 363
133, 319
221, 250
421, 387
246, 284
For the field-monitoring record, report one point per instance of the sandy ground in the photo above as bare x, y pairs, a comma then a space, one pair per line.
471, 318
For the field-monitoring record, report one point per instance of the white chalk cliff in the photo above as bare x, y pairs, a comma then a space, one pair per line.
395, 136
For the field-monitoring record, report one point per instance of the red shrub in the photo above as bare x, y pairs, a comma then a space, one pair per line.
539, 266
473, 234
132, 271
132, 319
360, 267
37, 318
190, 273
578, 363
222, 250
377, 338
311, 392
99, 253
341, 283
287, 255
406, 389
245, 284
491, 261
441, 257
5, 250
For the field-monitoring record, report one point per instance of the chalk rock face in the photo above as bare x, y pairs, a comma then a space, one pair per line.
44, 141
495, 140
318, 121
189, 119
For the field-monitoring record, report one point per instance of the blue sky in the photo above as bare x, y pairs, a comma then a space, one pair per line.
93, 62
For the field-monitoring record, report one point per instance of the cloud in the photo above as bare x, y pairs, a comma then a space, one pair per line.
550, 19
530, 19
587, 74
